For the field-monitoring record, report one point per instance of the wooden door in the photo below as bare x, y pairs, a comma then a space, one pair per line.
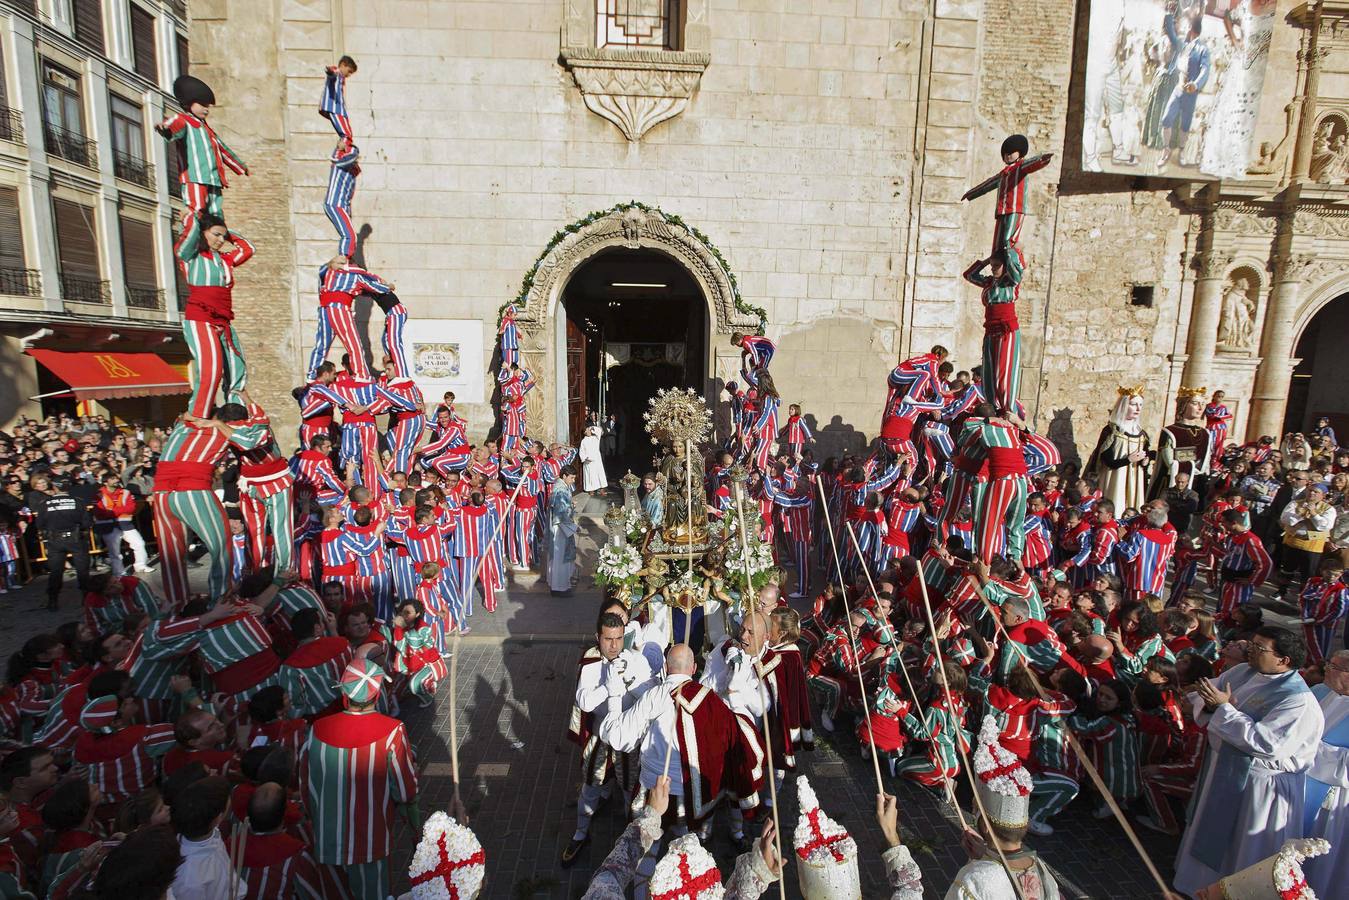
576, 382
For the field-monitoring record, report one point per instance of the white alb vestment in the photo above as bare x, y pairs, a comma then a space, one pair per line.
1249, 798
1327, 812
730, 672
648, 723
593, 477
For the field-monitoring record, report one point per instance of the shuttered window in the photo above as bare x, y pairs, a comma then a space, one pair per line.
183, 57
76, 245
143, 43
138, 253
11, 232
89, 24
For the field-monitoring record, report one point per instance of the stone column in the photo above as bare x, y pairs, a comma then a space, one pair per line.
1269, 400
1202, 339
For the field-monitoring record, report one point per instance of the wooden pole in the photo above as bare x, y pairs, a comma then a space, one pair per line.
688, 483
852, 638
510, 504
456, 804
763, 693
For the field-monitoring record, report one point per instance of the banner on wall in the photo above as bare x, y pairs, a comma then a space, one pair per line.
447, 355
1174, 87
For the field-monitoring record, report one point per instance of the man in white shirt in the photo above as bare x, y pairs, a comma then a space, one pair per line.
205, 872
604, 668
1264, 729
731, 672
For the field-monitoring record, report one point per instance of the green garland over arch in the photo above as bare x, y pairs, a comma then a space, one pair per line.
528, 282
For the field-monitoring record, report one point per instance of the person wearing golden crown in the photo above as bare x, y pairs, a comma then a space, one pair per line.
1184, 446
1120, 460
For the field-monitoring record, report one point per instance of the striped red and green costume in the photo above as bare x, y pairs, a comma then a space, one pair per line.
208, 317
310, 674
126, 762
355, 767
1002, 334
266, 487
1000, 505
418, 657
183, 499
280, 866
204, 158
941, 726
1114, 740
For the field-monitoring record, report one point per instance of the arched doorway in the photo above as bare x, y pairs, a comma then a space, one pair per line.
636, 322
1320, 384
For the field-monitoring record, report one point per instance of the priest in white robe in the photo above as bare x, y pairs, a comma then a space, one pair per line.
1264, 729
1327, 809
593, 476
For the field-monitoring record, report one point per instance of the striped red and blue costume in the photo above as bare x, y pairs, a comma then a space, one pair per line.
304, 542
1037, 541
916, 378
360, 431
337, 288
395, 321
1323, 603
969, 476
208, 316
448, 450
1218, 419
183, 499
337, 564
439, 596
317, 404
374, 583
851, 497
239, 558
508, 337
1002, 334
406, 426
1245, 566
963, 401
756, 352
937, 449
514, 414
797, 509
1011, 206
1145, 552
472, 544
333, 103
1000, 508
1187, 570
265, 490
419, 544
342, 173
315, 476
356, 766
525, 527
798, 434
902, 517
902, 409
1101, 559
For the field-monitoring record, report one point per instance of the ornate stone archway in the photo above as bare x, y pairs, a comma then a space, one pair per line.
632, 226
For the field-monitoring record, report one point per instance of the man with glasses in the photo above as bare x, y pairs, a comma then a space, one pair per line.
1264, 728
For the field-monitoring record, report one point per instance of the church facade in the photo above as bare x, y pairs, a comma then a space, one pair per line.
644, 179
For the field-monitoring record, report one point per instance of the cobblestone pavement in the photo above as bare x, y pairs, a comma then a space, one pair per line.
520, 778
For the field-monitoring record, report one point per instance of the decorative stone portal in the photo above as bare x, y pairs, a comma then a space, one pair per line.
627, 227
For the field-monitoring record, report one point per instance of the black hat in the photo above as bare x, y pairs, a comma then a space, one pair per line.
189, 90
1017, 143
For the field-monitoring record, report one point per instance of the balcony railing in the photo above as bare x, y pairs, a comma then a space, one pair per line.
71, 146
129, 168
85, 290
20, 282
11, 125
140, 296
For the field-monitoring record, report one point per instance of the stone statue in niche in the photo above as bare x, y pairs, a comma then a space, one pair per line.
1236, 328
1330, 153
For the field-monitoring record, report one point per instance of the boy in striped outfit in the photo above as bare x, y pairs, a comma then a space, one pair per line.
343, 170
1245, 563
357, 766
200, 150
314, 474
515, 384
798, 432
508, 337
472, 544
333, 102
208, 316
1323, 603
265, 489
339, 283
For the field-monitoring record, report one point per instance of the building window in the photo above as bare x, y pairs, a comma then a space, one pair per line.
138, 262
184, 58
1141, 295
143, 44
16, 279
648, 24
89, 24
128, 143
77, 253
63, 117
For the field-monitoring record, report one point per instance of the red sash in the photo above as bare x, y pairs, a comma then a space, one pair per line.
328, 298
407, 414
213, 304
184, 476
897, 428
351, 418
1001, 316
322, 420
970, 466
263, 469
246, 673
1003, 461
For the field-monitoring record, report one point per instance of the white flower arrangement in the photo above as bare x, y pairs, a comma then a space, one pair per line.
761, 564
617, 565
668, 881
1288, 878
448, 862
818, 839
636, 524
990, 756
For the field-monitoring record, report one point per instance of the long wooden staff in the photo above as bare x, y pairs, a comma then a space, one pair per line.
1087, 765
763, 693
688, 481
913, 693
964, 756
456, 804
501, 523
852, 638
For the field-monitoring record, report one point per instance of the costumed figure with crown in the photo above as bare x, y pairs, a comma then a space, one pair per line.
1183, 446
1120, 460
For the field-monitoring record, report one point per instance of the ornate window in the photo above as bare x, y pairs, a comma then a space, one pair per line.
636, 62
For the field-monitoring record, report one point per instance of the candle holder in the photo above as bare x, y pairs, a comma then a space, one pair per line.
630, 483
614, 521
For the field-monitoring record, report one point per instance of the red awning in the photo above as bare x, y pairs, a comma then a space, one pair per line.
100, 376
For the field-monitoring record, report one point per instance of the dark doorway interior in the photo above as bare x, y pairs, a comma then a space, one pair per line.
636, 322
1320, 385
